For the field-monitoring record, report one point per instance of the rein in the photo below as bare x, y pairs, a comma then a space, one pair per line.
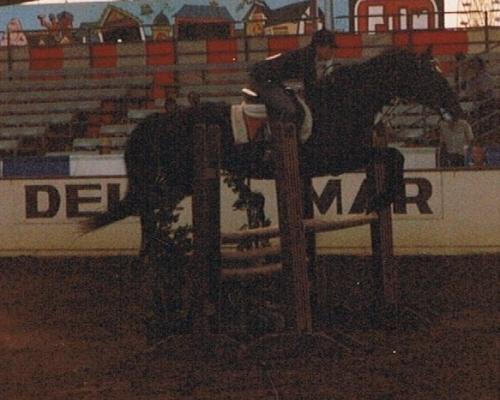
382, 117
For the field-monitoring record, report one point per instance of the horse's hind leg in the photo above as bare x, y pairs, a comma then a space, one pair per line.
148, 231
156, 211
163, 258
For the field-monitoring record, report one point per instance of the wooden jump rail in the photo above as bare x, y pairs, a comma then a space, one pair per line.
206, 224
249, 273
259, 253
310, 225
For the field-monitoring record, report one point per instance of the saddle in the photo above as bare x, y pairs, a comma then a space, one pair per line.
250, 122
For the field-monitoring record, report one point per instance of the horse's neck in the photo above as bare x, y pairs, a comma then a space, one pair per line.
387, 72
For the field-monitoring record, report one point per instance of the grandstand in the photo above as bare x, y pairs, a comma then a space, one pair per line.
88, 111
44, 115
86, 98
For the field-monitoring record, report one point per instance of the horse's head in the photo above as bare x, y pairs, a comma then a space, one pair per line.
420, 80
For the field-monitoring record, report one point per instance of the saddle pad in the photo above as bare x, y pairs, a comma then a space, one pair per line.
258, 111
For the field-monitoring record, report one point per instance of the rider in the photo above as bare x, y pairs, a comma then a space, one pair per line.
307, 64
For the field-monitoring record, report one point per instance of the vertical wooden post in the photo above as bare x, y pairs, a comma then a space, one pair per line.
384, 269
486, 33
308, 213
206, 223
317, 272
293, 248
314, 14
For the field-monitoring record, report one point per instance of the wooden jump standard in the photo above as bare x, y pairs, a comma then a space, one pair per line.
206, 224
292, 230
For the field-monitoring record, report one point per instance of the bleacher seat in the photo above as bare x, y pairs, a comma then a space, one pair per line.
103, 145
398, 109
403, 121
413, 132
9, 147
409, 121
20, 132
81, 82
211, 90
91, 145
117, 129
432, 120
36, 119
56, 95
493, 156
137, 114
45, 114
236, 76
69, 105
118, 144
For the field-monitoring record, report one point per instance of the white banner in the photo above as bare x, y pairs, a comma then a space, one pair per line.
445, 212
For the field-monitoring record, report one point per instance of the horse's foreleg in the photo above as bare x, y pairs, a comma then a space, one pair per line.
394, 174
393, 177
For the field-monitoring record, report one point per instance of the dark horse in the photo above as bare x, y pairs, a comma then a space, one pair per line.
159, 153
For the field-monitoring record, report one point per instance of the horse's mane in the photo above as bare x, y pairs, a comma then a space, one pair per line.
390, 54
395, 50
380, 62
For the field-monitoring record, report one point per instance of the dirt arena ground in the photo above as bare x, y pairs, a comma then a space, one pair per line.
72, 329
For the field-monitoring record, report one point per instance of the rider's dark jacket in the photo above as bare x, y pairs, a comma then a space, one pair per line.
296, 64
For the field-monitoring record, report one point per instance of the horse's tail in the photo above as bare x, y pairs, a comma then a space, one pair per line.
141, 165
118, 211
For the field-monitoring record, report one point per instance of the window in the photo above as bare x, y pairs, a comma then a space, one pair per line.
403, 19
421, 20
122, 34
203, 31
376, 21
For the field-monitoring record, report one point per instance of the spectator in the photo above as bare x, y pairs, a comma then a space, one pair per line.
65, 25
479, 83
493, 154
15, 35
454, 137
194, 98
478, 155
459, 71
80, 124
480, 89
170, 105
52, 25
